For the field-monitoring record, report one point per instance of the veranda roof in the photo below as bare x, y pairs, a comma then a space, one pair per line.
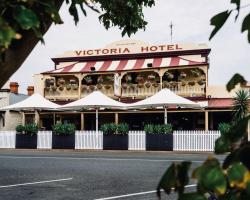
34, 102
126, 64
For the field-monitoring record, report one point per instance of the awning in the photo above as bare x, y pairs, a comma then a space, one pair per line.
130, 64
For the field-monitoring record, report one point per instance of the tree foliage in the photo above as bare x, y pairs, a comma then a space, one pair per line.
24, 22
219, 20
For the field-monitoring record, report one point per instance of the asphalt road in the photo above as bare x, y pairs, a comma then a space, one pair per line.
66, 175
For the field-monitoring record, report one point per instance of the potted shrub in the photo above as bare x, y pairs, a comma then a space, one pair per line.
201, 82
183, 83
165, 84
159, 137
155, 84
54, 88
72, 81
26, 136
115, 136
63, 136
195, 72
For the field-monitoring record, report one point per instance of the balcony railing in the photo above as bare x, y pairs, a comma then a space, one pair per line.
132, 91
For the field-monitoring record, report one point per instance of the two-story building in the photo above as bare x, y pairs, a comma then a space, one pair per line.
129, 71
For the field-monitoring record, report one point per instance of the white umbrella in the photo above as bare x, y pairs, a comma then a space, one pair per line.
95, 100
165, 98
34, 103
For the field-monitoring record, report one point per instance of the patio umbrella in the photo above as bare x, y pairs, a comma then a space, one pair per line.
96, 100
164, 98
33, 103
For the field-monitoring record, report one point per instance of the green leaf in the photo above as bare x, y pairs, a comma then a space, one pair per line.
222, 145
176, 177
25, 17
211, 177
237, 2
192, 196
6, 35
236, 79
168, 180
236, 174
218, 21
246, 26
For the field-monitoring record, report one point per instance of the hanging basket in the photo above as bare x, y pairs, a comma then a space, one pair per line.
61, 81
195, 72
183, 75
61, 88
147, 84
151, 77
165, 84
191, 83
68, 87
155, 84
100, 79
139, 78
75, 87
72, 81
54, 88
124, 85
174, 84
201, 82
128, 78
183, 83
47, 89
99, 86
88, 79
107, 87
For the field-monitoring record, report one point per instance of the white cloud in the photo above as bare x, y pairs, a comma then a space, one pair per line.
191, 20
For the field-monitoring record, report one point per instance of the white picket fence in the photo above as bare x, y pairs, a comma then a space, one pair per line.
88, 140
195, 140
137, 140
7, 139
44, 139
183, 140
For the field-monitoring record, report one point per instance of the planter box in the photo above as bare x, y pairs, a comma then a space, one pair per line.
159, 142
115, 142
63, 141
25, 141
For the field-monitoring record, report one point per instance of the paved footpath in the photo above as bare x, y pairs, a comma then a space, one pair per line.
86, 175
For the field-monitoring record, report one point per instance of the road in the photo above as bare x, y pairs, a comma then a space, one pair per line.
86, 175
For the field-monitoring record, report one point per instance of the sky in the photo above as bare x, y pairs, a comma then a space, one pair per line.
230, 51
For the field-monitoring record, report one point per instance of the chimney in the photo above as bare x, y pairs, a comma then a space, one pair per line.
30, 90
14, 87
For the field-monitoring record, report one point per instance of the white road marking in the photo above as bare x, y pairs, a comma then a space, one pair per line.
101, 159
137, 194
34, 183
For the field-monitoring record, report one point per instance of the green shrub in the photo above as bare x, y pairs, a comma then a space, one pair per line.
64, 129
166, 128
122, 129
149, 128
158, 128
112, 128
20, 128
31, 129
224, 128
